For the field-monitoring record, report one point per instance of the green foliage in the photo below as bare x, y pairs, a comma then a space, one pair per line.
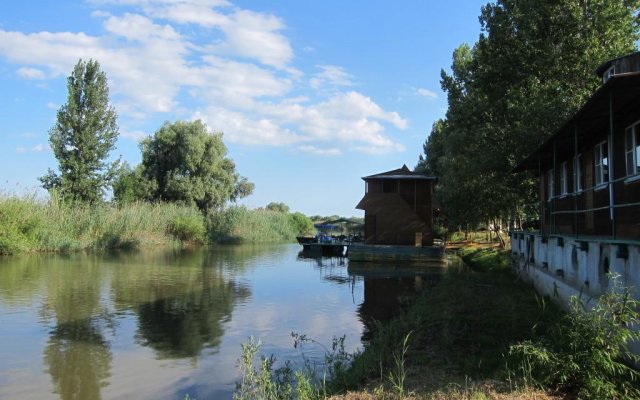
28, 224
530, 70
237, 224
83, 136
262, 382
188, 226
129, 185
186, 164
20, 225
280, 207
398, 373
301, 224
486, 259
586, 352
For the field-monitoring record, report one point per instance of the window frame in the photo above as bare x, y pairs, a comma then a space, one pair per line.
608, 73
577, 173
564, 176
632, 149
601, 164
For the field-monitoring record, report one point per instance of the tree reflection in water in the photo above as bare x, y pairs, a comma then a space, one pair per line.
79, 359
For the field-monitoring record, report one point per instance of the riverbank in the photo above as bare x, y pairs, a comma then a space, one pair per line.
483, 334
31, 225
457, 334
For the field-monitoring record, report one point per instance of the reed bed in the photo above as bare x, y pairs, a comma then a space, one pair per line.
29, 224
240, 225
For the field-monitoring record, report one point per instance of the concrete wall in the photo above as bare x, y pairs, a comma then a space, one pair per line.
562, 267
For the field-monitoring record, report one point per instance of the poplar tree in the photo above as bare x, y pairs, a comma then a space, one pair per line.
530, 70
84, 134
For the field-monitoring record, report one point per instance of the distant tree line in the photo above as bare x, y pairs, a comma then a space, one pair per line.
530, 70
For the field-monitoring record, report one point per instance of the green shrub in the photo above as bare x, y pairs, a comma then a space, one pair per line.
188, 227
586, 352
21, 223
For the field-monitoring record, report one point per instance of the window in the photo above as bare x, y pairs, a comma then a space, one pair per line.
564, 182
611, 71
389, 186
577, 173
549, 185
601, 163
632, 148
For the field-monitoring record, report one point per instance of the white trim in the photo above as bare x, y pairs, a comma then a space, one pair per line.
632, 149
601, 163
577, 173
564, 179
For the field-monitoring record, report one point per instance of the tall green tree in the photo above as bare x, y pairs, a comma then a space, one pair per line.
84, 134
185, 163
530, 70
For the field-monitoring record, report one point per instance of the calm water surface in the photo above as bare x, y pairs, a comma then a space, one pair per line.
165, 323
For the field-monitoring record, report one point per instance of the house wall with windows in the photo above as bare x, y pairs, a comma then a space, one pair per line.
589, 194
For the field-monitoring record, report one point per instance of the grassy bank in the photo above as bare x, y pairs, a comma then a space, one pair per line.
458, 333
482, 334
29, 225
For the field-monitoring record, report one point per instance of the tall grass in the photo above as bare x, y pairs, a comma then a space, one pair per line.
28, 224
239, 225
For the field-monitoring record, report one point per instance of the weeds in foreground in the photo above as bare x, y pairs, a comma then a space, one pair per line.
263, 382
587, 350
398, 373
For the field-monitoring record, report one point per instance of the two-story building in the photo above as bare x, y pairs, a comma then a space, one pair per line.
398, 206
589, 193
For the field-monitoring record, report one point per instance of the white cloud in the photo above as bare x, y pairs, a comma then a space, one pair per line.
240, 80
320, 151
39, 148
427, 93
331, 75
135, 135
350, 119
240, 128
31, 73
52, 106
139, 28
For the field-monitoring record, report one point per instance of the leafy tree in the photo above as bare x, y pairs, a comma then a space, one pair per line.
129, 185
279, 207
301, 224
83, 136
184, 163
530, 70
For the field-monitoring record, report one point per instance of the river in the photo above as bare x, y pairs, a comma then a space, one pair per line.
165, 323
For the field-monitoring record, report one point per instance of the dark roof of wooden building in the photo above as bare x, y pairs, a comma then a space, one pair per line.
590, 120
632, 63
400, 173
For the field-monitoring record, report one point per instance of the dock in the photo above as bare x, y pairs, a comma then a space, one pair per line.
365, 252
339, 249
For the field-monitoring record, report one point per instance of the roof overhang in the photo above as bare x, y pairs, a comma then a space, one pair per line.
618, 95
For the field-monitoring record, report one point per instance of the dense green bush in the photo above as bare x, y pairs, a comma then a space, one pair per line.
20, 225
586, 352
188, 227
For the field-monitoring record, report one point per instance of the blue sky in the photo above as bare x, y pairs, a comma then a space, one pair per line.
310, 95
